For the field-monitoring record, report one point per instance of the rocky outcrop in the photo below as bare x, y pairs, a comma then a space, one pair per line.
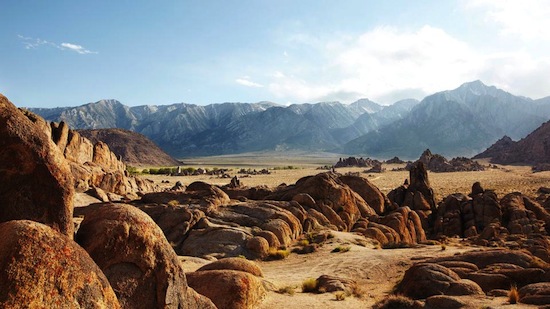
333, 198
487, 271
357, 162
418, 195
36, 182
140, 264
202, 220
468, 216
94, 165
439, 164
41, 268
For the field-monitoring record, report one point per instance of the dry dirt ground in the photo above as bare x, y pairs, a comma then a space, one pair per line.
376, 270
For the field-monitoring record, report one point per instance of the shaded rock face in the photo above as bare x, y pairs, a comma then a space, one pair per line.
535, 294
459, 215
521, 215
136, 258
230, 289
357, 162
36, 180
41, 268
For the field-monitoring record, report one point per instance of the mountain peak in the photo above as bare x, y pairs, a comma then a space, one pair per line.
476, 87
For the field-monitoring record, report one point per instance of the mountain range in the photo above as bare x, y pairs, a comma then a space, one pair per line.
463, 121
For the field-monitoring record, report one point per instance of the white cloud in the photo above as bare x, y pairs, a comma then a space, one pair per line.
527, 19
32, 43
245, 81
382, 61
77, 48
388, 64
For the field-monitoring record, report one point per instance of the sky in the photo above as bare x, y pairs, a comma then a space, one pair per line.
68, 53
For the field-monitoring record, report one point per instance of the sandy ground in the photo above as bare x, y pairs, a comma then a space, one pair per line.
376, 270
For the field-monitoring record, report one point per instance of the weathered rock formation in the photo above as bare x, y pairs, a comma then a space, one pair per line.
137, 259
35, 180
41, 268
439, 164
467, 216
477, 272
418, 195
357, 162
203, 221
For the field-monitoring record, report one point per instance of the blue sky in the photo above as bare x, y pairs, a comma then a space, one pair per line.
67, 53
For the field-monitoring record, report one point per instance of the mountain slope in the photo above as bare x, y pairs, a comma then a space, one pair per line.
533, 149
458, 122
133, 148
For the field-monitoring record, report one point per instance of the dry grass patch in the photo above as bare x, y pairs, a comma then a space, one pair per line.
513, 295
310, 285
396, 302
278, 254
289, 289
340, 295
341, 249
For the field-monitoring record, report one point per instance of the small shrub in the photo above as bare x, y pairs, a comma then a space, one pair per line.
173, 203
310, 285
132, 170
341, 249
290, 290
443, 247
396, 245
278, 254
241, 256
340, 295
303, 242
513, 295
396, 301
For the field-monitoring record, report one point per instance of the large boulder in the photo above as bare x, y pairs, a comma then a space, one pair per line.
35, 179
228, 289
427, 279
237, 263
134, 254
536, 294
519, 214
41, 268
